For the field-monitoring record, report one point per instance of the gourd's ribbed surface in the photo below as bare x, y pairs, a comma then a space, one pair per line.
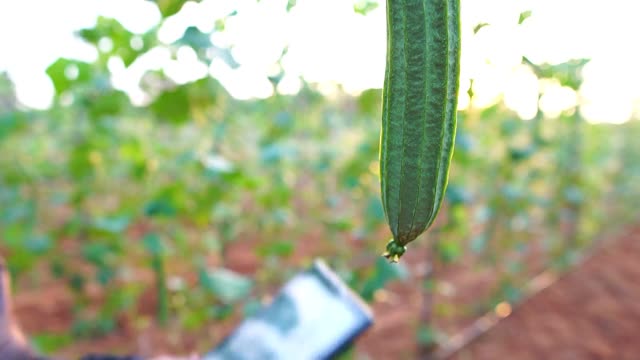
419, 111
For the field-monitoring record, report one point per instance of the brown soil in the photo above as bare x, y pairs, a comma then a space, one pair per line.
593, 312
536, 328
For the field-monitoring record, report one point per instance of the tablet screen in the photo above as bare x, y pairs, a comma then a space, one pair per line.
314, 316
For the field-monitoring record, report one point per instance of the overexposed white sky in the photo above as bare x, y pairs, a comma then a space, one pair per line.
329, 43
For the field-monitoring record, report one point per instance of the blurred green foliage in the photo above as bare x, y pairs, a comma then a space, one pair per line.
242, 194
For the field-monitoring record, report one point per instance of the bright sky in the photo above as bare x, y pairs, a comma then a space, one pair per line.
329, 44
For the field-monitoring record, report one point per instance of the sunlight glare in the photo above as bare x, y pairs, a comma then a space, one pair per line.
521, 92
556, 98
289, 85
242, 83
329, 43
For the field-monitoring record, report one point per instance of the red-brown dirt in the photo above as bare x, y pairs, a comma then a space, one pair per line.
397, 310
593, 312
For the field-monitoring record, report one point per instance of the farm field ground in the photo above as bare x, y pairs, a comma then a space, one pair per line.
591, 312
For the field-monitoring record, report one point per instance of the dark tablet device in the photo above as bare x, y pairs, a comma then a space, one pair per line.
314, 316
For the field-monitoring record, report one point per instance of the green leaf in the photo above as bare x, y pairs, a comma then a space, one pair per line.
201, 43
369, 101
479, 26
291, 4
273, 153
113, 225
173, 195
50, 342
227, 285
170, 7
79, 163
220, 312
427, 336
510, 292
65, 74
573, 195
125, 44
153, 244
384, 272
205, 93
363, 7
194, 318
478, 243
106, 103
38, 244
7, 92
342, 224
568, 73
465, 142
281, 127
96, 253
105, 274
511, 126
172, 105
448, 250
281, 248
57, 268
457, 195
375, 210
20, 210
77, 282
10, 122
194, 38
521, 154
176, 105
524, 16
160, 207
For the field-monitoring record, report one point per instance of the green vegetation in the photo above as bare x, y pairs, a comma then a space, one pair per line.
210, 203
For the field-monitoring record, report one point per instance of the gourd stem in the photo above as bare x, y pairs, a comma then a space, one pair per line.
394, 251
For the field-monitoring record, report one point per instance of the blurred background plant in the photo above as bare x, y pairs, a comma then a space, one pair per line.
185, 208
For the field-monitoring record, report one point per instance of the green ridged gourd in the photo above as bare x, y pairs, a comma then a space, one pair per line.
419, 114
